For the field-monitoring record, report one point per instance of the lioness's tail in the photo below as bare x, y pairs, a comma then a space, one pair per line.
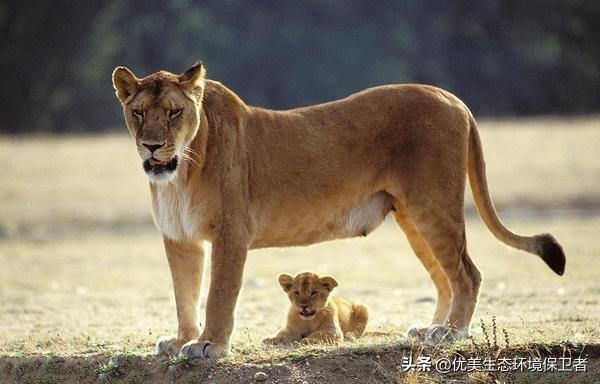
544, 245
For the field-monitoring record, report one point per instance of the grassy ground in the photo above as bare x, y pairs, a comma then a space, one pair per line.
74, 183
83, 277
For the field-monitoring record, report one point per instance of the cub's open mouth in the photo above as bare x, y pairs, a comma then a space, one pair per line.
307, 314
157, 167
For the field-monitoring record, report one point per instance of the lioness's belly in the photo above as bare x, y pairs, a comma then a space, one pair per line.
322, 224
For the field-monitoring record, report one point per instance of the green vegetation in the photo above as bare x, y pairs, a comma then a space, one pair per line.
501, 57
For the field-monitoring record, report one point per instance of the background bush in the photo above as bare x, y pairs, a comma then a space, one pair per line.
501, 57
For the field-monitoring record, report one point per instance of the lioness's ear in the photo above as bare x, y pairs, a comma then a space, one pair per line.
328, 282
125, 83
193, 78
286, 280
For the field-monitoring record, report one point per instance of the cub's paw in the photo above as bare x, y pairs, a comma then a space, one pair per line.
444, 334
169, 345
350, 336
203, 349
320, 340
273, 341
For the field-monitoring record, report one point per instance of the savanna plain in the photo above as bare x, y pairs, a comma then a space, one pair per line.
85, 288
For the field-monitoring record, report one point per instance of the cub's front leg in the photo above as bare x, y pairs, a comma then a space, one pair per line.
284, 336
330, 336
228, 259
186, 261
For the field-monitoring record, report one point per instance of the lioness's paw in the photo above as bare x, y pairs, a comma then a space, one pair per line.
203, 349
444, 334
417, 333
169, 345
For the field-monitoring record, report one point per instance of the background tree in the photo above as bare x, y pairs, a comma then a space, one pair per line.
501, 57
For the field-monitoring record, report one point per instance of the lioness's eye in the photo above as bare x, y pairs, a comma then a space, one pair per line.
296, 293
138, 113
313, 293
174, 113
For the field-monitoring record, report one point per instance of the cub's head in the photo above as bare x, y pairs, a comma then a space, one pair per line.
162, 113
308, 292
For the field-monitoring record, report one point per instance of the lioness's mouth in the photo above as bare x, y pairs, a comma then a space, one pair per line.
157, 167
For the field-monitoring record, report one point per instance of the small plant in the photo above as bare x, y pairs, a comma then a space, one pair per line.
485, 334
492, 342
477, 347
506, 339
177, 365
109, 370
494, 332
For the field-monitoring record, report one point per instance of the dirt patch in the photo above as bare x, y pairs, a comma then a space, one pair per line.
380, 364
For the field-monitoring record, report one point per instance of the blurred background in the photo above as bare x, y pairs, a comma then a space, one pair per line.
56, 56
74, 204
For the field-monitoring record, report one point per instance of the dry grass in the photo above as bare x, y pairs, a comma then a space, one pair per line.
83, 272
58, 183
112, 292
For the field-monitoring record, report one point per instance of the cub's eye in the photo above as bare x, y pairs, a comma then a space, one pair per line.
296, 293
314, 293
138, 113
175, 112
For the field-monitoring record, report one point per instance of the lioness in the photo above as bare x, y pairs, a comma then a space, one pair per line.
243, 177
314, 317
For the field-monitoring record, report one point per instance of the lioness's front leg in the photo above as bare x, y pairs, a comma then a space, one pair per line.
228, 258
186, 260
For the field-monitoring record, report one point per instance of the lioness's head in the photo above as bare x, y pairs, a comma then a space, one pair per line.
162, 113
308, 292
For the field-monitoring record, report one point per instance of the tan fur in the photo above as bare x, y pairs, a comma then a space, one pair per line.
331, 320
249, 178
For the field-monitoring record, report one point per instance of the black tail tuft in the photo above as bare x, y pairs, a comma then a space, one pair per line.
551, 252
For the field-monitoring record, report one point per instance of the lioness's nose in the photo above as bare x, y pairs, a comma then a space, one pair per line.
153, 147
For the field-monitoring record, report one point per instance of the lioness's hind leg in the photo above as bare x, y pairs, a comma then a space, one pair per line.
423, 252
445, 235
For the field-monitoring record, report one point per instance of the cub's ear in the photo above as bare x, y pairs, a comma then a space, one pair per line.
193, 78
125, 83
286, 281
328, 282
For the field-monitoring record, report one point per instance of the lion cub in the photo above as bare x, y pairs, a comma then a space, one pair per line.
313, 316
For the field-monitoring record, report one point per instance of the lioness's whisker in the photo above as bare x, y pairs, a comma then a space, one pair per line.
187, 157
190, 151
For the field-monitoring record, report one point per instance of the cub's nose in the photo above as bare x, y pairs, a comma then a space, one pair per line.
304, 306
153, 147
